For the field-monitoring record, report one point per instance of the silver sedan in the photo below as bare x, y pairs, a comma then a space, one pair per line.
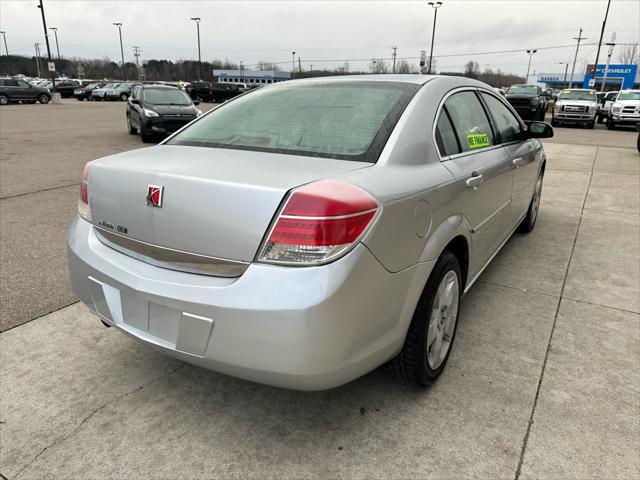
308, 232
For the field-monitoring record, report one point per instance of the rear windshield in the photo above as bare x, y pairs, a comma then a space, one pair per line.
588, 95
166, 96
344, 120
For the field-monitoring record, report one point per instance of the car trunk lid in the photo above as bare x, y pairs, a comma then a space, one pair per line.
215, 202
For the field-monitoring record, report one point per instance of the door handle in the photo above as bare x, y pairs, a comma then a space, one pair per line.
475, 180
518, 162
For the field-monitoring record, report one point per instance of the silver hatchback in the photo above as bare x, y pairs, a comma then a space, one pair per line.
308, 232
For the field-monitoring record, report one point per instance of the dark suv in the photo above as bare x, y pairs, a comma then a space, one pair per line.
530, 101
155, 110
20, 91
67, 87
212, 92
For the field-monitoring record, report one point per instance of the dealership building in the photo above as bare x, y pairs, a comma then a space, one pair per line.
250, 77
618, 77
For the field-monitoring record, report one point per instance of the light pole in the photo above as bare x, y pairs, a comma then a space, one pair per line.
579, 38
46, 39
293, 64
311, 70
55, 32
124, 73
436, 6
4, 36
530, 52
197, 20
566, 67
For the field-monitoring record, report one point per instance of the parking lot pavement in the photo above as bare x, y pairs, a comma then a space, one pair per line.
543, 380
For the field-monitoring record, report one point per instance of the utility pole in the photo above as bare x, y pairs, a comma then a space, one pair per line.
435, 6
4, 36
136, 55
311, 70
197, 20
299, 66
604, 23
55, 32
530, 52
394, 58
579, 38
124, 73
37, 47
611, 44
46, 39
241, 71
293, 64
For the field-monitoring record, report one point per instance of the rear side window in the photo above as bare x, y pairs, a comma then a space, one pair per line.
469, 121
10, 83
445, 136
507, 124
346, 120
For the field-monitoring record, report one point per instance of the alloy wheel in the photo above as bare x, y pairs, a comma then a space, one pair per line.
442, 322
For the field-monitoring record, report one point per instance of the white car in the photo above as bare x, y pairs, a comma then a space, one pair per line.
625, 109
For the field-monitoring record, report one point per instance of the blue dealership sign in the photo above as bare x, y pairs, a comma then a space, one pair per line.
624, 75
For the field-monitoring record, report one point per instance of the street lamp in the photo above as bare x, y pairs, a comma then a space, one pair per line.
55, 32
124, 73
293, 63
197, 20
530, 53
566, 67
435, 6
4, 36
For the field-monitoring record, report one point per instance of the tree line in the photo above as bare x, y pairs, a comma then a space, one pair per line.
189, 70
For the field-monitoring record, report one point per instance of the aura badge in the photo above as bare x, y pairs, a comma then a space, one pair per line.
154, 195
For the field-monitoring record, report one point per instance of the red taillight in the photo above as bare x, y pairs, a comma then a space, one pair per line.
83, 203
319, 222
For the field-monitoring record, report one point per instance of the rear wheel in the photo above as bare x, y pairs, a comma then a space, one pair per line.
433, 326
529, 221
123, 97
4, 100
43, 98
611, 125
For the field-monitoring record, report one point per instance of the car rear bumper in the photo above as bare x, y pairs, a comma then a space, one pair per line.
309, 328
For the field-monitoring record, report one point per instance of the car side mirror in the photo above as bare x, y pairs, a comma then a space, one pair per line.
135, 101
540, 130
196, 102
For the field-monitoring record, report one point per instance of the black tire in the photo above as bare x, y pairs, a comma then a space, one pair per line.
146, 138
591, 125
554, 123
411, 364
123, 97
611, 125
199, 99
130, 128
43, 98
4, 100
600, 119
529, 221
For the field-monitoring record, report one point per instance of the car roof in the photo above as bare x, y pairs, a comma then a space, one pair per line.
412, 78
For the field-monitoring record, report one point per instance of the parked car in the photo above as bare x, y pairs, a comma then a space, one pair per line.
84, 93
121, 92
155, 110
625, 110
321, 241
530, 101
212, 92
20, 91
66, 87
606, 102
100, 92
576, 105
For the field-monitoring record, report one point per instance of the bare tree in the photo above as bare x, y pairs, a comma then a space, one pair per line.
472, 69
403, 67
378, 66
630, 54
266, 66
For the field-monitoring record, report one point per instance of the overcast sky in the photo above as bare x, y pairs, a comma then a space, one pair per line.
326, 33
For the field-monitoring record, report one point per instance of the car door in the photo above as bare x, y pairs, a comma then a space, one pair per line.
24, 91
481, 169
521, 151
134, 109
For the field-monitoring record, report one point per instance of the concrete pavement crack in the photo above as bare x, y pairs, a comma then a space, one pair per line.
76, 184
90, 415
525, 440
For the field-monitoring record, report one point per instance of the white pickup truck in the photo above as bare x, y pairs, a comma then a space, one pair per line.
625, 110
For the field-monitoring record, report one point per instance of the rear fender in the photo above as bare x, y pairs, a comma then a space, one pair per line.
447, 230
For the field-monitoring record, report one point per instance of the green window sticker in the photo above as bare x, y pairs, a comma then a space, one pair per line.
477, 140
